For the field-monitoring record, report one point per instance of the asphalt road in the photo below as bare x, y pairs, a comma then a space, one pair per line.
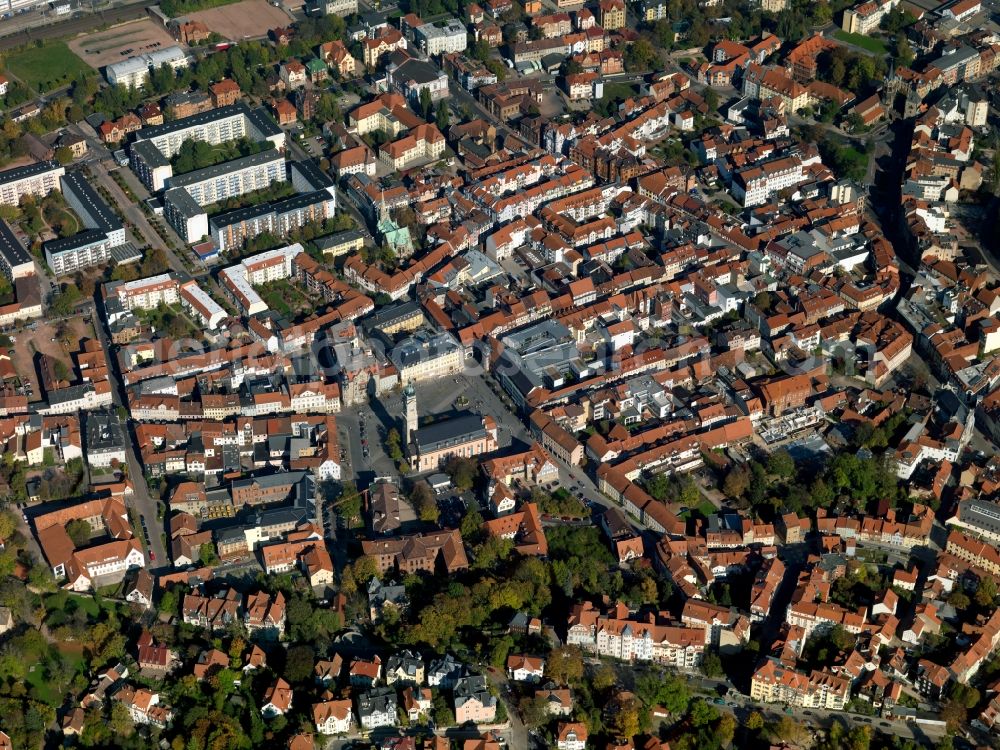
819, 718
143, 503
99, 159
141, 229
137, 218
517, 735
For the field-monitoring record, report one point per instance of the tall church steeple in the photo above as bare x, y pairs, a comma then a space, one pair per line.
410, 401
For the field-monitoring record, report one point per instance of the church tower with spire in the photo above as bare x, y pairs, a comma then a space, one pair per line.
410, 402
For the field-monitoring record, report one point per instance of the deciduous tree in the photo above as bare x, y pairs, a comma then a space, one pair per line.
565, 665
422, 499
299, 663
625, 717
711, 664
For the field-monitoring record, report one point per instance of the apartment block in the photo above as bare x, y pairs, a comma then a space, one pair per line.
756, 185
239, 280
215, 126
103, 231
188, 193
35, 179
230, 230
441, 37
233, 178
775, 683
620, 635
865, 17
15, 261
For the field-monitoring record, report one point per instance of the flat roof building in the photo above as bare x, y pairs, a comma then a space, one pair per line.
34, 179
308, 177
91, 208
187, 193
232, 229
341, 243
150, 165
105, 438
216, 126
185, 215
104, 231
83, 250
133, 72
441, 37
15, 261
234, 178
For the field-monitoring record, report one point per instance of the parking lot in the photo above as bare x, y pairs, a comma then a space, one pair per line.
315, 146
453, 507
121, 42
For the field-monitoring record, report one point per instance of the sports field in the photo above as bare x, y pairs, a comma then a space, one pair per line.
47, 67
244, 20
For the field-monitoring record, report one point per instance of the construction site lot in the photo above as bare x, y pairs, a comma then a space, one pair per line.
248, 19
132, 38
57, 339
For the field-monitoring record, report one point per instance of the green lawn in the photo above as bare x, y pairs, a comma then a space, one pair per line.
704, 509
620, 91
47, 67
707, 509
43, 689
277, 297
170, 320
614, 94
64, 601
875, 46
285, 298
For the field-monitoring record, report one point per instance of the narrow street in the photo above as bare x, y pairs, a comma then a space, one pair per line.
517, 735
885, 190
141, 500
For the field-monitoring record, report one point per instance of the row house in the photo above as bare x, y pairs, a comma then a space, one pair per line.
774, 683
820, 617
628, 639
